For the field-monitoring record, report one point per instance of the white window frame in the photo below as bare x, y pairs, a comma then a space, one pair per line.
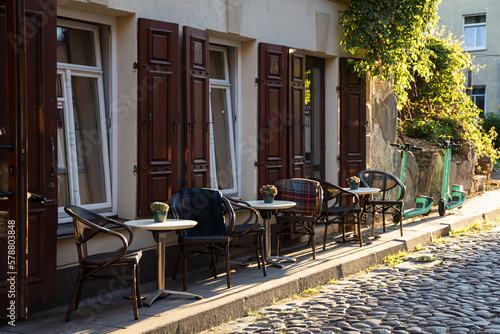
474, 26
110, 208
235, 106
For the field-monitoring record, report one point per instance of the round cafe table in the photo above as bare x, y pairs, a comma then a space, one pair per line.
160, 231
266, 210
362, 192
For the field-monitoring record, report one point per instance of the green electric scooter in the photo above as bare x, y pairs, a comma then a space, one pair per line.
458, 195
423, 204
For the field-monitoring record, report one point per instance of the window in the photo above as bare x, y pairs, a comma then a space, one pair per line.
83, 151
475, 32
478, 96
223, 119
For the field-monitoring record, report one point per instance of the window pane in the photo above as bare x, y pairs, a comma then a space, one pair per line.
470, 37
88, 140
481, 36
62, 165
222, 138
475, 19
479, 101
217, 70
75, 46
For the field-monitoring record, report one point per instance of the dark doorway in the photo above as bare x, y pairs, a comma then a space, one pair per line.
314, 122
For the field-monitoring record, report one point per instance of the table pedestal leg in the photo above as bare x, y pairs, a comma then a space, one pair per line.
160, 238
273, 260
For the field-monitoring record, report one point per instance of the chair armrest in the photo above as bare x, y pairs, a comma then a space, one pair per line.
105, 230
129, 230
253, 214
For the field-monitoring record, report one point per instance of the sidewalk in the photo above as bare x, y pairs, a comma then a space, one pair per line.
250, 290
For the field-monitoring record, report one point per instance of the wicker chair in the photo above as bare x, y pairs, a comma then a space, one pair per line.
390, 198
335, 211
211, 235
87, 225
302, 218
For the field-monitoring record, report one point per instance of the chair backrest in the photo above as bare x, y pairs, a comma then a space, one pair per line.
308, 195
391, 188
207, 207
87, 223
333, 192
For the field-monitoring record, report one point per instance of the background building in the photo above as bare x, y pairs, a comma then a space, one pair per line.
477, 23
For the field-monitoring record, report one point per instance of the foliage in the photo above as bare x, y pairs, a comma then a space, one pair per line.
391, 36
394, 259
492, 121
398, 40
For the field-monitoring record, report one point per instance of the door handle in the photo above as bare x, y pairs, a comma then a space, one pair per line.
49, 202
41, 200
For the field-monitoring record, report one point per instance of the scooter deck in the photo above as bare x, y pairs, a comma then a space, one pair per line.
452, 205
423, 205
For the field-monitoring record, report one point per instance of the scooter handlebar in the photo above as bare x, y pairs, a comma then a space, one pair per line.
448, 144
407, 147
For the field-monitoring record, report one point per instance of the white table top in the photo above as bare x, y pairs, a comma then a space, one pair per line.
364, 190
169, 224
275, 205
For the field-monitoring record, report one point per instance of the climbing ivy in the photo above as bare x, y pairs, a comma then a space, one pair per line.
398, 40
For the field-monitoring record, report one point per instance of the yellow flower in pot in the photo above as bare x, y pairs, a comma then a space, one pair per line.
268, 192
160, 211
353, 182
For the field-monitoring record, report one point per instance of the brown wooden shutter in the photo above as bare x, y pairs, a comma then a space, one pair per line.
272, 113
352, 122
296, 108
196, 107
158, 57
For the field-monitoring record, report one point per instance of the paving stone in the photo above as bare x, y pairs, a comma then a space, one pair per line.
462, 295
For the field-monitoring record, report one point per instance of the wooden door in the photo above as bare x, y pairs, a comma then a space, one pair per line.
272, 113
29, 164
196, 107
296, 116
158, 115
42, 150
13, 227
352, 127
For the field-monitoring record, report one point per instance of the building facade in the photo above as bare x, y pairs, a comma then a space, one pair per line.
476, 23
129, 101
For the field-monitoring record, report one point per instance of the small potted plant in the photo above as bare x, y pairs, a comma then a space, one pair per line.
268, 192
353, 182
160, 211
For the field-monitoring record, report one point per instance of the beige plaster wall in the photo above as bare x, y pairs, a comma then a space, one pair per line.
451, 14
304, 24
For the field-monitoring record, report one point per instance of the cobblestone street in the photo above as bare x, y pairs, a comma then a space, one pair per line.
450, 286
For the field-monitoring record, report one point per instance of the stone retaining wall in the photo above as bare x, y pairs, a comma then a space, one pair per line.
423, 172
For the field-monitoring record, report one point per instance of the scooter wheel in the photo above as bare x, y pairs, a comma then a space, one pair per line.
427, 213
441, 207
397, 218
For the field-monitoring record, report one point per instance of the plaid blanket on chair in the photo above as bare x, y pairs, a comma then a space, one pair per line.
205, 206
301, 191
